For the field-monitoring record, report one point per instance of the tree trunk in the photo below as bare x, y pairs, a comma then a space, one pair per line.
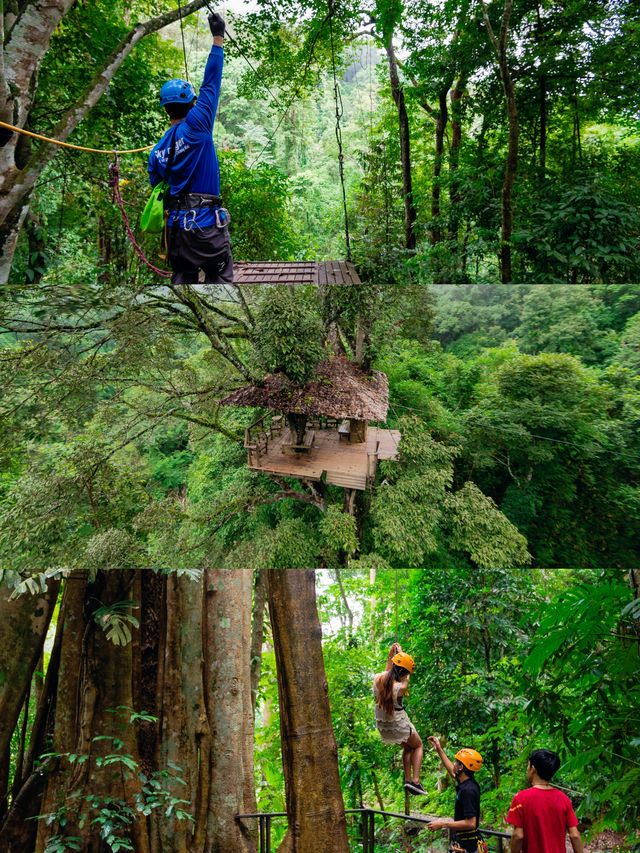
511, 164
315, 807
24, 623
202, 699
94, 698
298, 426
9, 233
436, 190
184, 728
257, 632
509, 180
405, 148
543, 127
455, 194
227, 693
542, 93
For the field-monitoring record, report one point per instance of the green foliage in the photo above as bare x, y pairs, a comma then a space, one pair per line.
262, 228
339, 532
581, 233
477, 527
116, 620
406, 512
113, 817
288, 334
416, 515
582, 677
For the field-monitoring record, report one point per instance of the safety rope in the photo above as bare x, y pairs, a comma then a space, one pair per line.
396, 574
339, 113
70, 145
184, 48
114, 183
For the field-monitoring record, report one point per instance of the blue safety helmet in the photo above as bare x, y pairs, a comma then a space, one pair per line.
177, 92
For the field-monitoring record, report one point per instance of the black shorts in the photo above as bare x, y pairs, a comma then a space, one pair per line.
207, 249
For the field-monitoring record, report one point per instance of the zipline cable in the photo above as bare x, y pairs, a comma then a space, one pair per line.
396, 574
184, 48
114, 183
59, 142
228, 36
339, 114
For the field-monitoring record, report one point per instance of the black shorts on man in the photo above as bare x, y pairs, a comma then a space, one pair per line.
207, 249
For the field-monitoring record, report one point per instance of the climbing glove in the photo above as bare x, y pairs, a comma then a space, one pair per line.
216, 24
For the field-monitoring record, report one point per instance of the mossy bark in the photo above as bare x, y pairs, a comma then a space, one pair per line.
227, 690
94, 691
24, 622
189, 664
315, 807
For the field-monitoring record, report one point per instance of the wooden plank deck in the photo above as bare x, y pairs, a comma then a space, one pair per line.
344, 464
295, 272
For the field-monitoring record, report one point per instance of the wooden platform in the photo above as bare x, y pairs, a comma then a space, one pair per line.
295, 272
350, 466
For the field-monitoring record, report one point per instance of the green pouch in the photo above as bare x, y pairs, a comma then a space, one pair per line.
152, 217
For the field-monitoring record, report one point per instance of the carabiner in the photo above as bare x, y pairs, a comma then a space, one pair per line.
188, 226
223, 217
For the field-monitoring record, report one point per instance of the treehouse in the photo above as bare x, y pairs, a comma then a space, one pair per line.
321, 431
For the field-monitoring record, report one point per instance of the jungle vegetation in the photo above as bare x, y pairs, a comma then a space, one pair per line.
165, 641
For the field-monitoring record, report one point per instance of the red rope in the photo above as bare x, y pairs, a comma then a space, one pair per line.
116, 196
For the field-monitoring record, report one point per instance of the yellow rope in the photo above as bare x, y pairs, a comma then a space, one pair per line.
69, 145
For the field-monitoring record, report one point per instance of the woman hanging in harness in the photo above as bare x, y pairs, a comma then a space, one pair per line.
392, 721
197, 224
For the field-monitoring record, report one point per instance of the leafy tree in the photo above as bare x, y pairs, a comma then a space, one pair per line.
288, 334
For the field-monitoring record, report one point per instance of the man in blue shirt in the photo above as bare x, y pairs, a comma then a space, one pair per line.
197, 224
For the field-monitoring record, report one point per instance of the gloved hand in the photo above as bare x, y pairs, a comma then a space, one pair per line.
216, 24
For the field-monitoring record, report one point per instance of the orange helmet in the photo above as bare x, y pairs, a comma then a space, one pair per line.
404, 660
471, 759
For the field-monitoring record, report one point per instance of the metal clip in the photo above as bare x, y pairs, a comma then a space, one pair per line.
188, 226
223, 217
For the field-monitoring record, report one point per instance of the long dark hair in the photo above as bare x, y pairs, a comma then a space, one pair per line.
385, 688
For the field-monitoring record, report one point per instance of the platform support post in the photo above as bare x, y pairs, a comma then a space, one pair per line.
262, 834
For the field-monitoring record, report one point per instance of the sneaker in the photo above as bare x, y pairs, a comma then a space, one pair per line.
415, 788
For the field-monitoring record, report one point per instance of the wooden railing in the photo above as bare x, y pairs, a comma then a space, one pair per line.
261, 432
499, 840
372, 463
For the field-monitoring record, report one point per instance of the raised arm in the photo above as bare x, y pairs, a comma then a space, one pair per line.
394, 650
446, 762
203, 114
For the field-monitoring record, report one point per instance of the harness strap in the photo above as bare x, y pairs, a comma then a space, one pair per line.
192, 201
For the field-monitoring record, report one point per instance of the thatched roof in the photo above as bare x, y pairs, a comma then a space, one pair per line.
339, 389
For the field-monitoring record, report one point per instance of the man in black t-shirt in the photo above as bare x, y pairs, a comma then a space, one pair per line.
466, 814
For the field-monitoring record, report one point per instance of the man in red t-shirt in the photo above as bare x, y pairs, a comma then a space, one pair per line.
542, 815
